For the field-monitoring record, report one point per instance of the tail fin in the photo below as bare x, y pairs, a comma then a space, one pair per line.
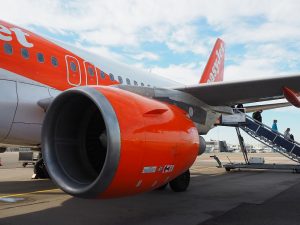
214, 68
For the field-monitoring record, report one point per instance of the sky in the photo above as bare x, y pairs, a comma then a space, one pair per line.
174, 38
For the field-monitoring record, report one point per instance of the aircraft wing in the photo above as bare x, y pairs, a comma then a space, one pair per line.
254, 108
235, 92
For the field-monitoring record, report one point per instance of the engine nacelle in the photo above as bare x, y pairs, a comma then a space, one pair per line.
103, 142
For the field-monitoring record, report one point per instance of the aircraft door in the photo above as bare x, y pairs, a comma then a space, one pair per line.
73, 71
90, 73
8, 105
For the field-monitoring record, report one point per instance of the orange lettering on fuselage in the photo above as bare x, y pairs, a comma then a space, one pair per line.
60, 76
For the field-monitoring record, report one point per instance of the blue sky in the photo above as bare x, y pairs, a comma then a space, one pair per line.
174, 38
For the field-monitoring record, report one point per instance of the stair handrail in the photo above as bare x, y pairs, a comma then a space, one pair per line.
270, 129
284, 153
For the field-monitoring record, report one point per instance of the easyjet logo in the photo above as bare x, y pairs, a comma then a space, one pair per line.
6, 35
216, 67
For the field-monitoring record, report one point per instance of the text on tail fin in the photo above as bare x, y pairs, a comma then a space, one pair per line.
214, 68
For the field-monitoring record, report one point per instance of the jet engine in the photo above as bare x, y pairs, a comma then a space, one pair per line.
103, 142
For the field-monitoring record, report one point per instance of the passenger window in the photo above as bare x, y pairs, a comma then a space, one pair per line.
25, 53
142, 84
73, 66
102, 74
40, 57
135, 83
91, 71
111, 76
120, 79
8, 49
128, 81
148, 85
54, 61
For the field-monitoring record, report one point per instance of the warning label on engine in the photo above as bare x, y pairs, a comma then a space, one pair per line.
149, 169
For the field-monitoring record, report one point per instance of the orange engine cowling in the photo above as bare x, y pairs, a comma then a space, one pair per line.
103, 142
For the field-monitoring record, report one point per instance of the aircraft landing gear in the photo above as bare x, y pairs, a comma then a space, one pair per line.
40, 171
163, 187
181, 183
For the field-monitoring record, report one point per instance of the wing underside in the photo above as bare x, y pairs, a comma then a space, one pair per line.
241, 92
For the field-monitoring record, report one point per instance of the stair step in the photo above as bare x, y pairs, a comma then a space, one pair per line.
275, 140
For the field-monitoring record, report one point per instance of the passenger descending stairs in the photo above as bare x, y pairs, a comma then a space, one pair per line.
274, 140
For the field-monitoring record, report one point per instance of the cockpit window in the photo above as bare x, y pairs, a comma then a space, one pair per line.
128, 81
8, 49
142, 84
25, 53
40, 57
54, 61
135, 83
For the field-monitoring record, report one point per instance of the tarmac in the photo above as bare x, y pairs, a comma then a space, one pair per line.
214, 197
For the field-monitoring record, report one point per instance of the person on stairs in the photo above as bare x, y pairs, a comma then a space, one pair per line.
274, 126
257, 116
287, 133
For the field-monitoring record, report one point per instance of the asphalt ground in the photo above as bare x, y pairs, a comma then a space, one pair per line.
214, 197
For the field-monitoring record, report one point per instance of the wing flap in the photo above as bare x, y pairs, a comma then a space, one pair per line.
254, 108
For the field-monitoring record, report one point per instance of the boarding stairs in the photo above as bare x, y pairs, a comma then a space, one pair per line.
272, 139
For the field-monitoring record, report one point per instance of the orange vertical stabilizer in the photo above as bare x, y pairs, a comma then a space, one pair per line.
214, 68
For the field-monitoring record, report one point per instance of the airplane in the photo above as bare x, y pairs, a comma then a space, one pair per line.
107, 130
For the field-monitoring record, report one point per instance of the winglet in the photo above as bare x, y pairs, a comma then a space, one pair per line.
291, 96
214, 68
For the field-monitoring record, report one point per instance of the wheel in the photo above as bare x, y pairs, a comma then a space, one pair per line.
227, 169
181, 183
24, 164
40, 169
163, 187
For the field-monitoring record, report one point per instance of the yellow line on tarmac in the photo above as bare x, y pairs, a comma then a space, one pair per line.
28, 193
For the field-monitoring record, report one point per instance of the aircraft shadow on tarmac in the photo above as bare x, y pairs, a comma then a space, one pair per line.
206, 198
15, 187
159, 206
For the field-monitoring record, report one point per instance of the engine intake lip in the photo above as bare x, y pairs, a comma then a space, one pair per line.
56, 171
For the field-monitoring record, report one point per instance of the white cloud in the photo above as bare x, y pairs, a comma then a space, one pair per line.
183, 73
263, 60
120, 23
102, 51
146, 55
250, 68
185, 39
133, 22
268, 32
108, 37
